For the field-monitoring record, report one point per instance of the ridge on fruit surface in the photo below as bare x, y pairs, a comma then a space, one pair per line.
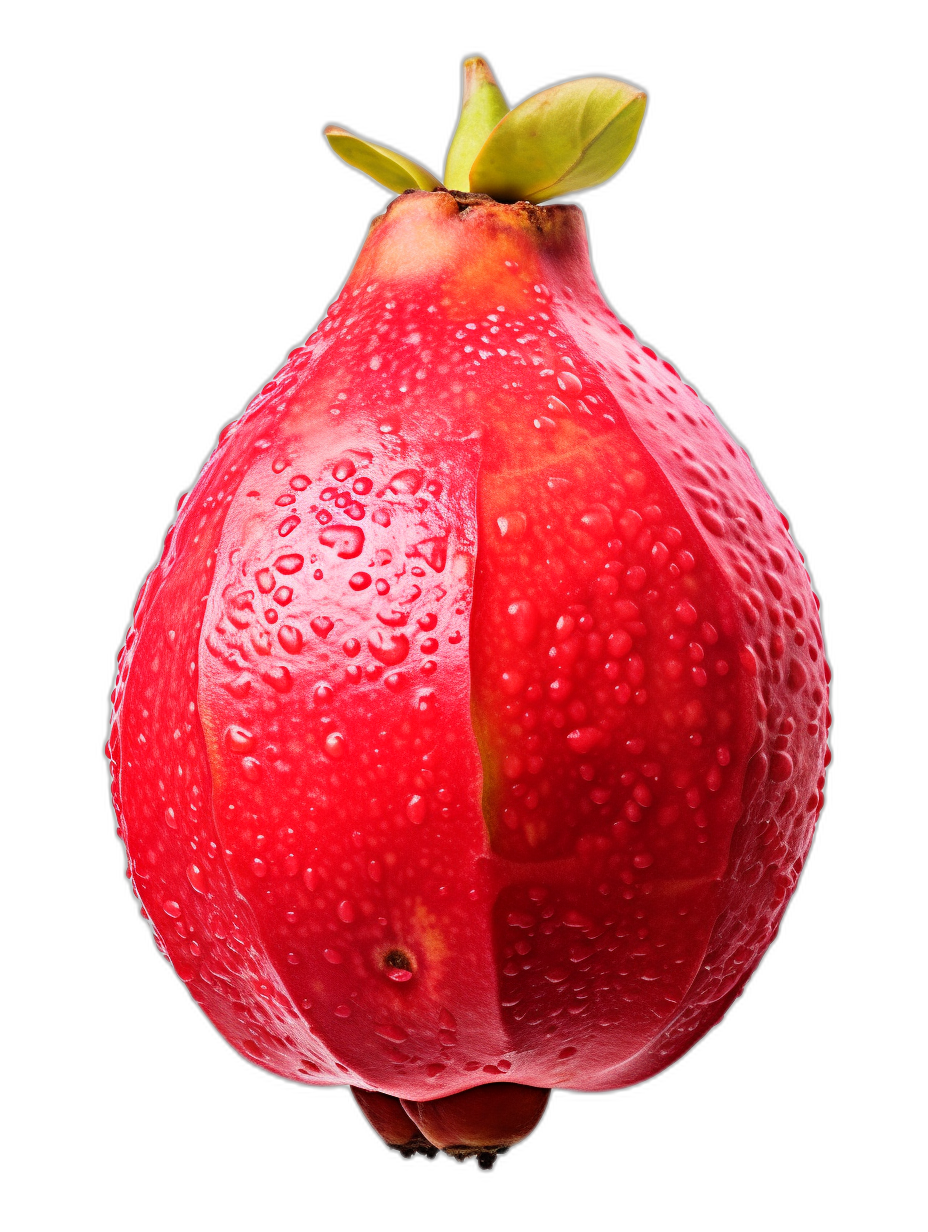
562, 140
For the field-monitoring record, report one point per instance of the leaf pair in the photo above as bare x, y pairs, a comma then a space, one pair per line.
565, 139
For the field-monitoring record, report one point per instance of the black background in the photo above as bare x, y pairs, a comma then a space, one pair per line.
211, 229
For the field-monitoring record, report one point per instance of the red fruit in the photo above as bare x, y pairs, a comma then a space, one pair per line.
471, 731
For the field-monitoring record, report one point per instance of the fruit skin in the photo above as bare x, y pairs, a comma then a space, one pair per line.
391, 1121
317, 809
494, 1116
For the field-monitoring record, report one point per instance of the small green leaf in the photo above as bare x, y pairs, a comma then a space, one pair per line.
385, 166
560, 141
482, 108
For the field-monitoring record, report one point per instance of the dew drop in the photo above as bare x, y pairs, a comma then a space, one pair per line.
197, 878
597, 521
335, 745
388, 648
416, 810
406, 482
278, 678
239, 740
251, 768
290, 638
523, 616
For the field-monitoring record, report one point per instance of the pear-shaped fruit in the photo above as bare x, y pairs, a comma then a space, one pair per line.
471, 730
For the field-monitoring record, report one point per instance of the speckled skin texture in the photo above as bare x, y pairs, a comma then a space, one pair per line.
473, 724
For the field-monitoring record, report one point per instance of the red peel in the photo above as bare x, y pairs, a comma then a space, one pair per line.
507, 788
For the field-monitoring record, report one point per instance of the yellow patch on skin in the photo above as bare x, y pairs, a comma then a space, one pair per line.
410, 238
469, 250
431, 940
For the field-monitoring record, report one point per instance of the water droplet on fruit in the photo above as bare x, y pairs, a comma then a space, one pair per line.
523, 616
359, 581
388, 648
334, 957
583, 739
172, 909
570, 383
290, 638
343, 470
278, 678
292, 562
348, 541
197, 878
345, 911
416, 809
239, 740
406, 482
251, 768
434, 551
321, 625
335, 745
288, 525
597, 521
781, 767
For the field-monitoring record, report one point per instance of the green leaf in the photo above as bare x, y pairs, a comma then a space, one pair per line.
560, 141
385, 166
482, 108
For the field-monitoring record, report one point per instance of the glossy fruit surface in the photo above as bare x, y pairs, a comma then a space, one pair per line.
472, 727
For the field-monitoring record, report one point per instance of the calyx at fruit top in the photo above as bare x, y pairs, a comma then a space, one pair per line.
564, 139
